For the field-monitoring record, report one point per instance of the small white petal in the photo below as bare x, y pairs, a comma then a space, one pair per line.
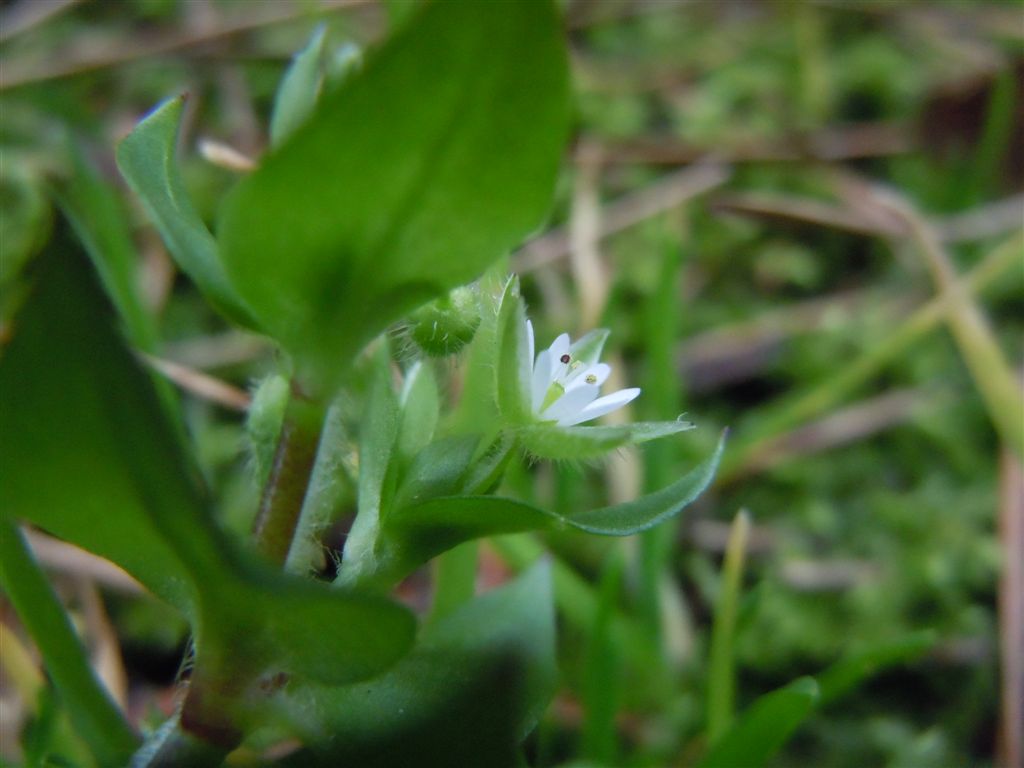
541, 379
602, 405
594, 374
570, 404
559, 348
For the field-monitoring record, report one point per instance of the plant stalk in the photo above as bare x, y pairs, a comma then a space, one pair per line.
290, 473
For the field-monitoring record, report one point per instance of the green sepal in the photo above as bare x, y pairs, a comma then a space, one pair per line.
547, 441
514, 367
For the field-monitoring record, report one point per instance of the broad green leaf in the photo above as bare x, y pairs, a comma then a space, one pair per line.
847, 673
410, 179
268, 622
546, 441
84, 446
468, 693
146, 158
299, 90
418, 532
88, 455
763, 728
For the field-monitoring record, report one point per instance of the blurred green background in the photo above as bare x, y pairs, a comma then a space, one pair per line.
742, 204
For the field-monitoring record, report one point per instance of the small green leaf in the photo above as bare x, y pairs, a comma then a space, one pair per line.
546, 441
410, 179
420, 531
468, 693
146, 158
763, 728
299, 90
640, 514
437, 470
377, 437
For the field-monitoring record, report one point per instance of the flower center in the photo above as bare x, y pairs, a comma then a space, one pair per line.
554, 392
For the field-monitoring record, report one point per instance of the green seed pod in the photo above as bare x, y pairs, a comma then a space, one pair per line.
446, 325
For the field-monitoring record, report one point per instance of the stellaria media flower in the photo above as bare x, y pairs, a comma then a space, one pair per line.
566, 380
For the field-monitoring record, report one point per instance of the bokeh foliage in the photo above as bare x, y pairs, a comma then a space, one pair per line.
730, 315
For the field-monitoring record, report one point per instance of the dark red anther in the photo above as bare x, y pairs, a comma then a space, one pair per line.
565, 359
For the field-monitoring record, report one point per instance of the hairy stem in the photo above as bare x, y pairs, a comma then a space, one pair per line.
286, 487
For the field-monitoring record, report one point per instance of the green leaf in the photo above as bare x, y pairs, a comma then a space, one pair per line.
95, 717
410, 179
299, 90
88, 455
378, 434
437, 470
763, 728
85, 443
468, 693
418, 532
268, 622
146, 158
640, 514
546, 441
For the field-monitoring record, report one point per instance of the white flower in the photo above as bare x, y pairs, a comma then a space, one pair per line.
566, 380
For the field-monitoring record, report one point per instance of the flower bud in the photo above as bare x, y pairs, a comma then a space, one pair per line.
445, 326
